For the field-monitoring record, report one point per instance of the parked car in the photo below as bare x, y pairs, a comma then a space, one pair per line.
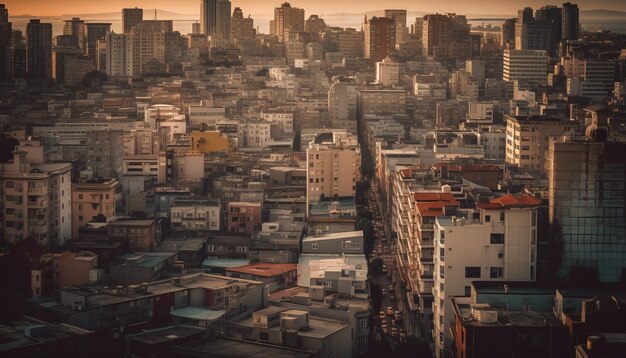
389, 311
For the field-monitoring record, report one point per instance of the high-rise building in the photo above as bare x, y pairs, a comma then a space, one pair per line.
525, 66
399, 16
39, 49
215, 19
118, 54
287, 20
131, 17
5, 44
18, 55
380, 38
446, 37
94, 33
36, 199
570, 24
351, 43
66, 46
527, 139
333, 166
586, 194
496, 241
342, 98
241, 28
538, 32
507, 33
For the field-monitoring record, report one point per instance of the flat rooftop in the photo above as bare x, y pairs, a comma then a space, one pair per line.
166, 334
227, 347
13, 333
197, 313
264, 269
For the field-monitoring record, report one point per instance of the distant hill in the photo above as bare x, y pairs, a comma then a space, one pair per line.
602, 13
148, 14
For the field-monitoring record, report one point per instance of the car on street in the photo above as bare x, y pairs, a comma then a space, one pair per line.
381, 315
384, 292
394, 331
392, 297
397, 316
389, 311
391, 288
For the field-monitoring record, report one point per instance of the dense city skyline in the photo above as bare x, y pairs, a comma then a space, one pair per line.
313, 179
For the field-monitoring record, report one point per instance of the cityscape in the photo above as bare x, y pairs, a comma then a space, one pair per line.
326, 180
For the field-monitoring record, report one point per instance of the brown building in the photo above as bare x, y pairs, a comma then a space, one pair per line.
56, 271
243, 217
380, 37
141, 234
275, 276
91, 199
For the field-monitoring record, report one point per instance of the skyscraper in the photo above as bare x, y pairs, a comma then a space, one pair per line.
380, 37
570, 22
39, 50
446, 37
215, 19
508, 33
95, 32
287, 20
537, 32
241, 28
586, 195
131, 17
5, 44
399, 16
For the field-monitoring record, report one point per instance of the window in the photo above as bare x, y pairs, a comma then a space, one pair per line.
328, 284
502, 216
350, 245
496, 272
472, 272
264, 336
362, 325
468, 291
487, 218
314, 246
497, 239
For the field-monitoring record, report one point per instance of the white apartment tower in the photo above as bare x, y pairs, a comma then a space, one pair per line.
496, 241
36, 198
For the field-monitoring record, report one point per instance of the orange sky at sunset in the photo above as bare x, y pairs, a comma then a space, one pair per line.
59, 7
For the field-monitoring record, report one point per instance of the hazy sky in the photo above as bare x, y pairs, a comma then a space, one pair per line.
59, 7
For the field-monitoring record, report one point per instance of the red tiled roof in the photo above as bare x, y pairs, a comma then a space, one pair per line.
434, 196
430, 209
263, 269
511, 201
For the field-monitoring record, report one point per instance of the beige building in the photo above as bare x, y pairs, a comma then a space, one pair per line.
351, 43
91, 199
241, 28
35, 197
527, 139
333, 167
387, 72
525, 66
58, 270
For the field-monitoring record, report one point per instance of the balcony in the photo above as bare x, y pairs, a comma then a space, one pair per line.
38, 204
37, 191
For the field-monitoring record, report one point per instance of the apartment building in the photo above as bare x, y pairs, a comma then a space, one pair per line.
92, 199
496, 240
527, 139
333, 167
243, 217
387, 72
36, 197
140, 234
525, 65
196, 213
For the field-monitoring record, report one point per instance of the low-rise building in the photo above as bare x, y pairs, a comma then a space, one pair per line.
140, 234
94, 199
243, 217
134, 268
276, 276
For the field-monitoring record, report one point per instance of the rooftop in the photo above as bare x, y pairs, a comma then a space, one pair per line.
511, 201
227, 347
264, 269
28, 331
166, 334
335, 236
197, 313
